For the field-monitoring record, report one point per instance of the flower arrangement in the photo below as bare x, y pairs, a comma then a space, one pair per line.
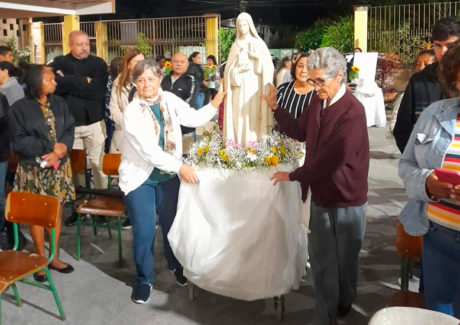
353, 73
167, 68
273, 149
209, 71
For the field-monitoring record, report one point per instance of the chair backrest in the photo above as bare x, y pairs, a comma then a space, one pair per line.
32, 209
407, 244
110, 163
77, 160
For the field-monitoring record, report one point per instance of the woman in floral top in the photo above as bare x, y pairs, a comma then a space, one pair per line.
42, 132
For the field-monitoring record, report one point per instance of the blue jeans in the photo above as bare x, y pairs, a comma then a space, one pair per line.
142, 204
334, 244
441, 269
3, 170
199, 100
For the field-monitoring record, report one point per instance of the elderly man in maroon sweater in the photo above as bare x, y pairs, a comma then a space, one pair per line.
336, 169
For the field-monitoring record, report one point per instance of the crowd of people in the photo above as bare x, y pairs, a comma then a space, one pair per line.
133, 108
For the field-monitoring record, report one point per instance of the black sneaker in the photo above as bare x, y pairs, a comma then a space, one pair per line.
343, 311
180, 278
141, 293
126, 224
72, 220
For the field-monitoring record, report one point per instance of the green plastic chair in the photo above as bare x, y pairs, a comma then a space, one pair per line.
31, 209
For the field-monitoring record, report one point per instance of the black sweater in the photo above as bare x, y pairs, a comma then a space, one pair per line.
4, 139
29, 131
422, 90
86, 100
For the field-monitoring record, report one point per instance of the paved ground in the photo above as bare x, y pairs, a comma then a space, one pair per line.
98, 292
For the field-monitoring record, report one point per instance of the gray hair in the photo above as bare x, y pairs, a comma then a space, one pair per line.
330, 60
145, 65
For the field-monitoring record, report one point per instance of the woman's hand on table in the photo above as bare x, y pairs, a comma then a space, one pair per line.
280, 177
440, 190
187, 173
51, 158
219, 97
271, 98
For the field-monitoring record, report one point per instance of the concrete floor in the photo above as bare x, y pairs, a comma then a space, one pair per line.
98, 292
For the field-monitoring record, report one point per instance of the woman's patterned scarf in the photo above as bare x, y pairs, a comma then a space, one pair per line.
169, 143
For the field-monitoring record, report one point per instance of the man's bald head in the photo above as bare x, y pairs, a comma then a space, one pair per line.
179, 64
79, 44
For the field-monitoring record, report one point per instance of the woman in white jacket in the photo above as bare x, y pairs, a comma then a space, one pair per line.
151, 160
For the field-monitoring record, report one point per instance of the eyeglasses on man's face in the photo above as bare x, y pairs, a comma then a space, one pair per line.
317, 83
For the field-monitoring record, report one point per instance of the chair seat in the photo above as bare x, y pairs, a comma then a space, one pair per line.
103, 206
407, 299
17, 264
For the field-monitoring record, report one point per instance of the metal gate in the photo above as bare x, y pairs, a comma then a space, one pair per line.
163, 36
159, 36
400, 28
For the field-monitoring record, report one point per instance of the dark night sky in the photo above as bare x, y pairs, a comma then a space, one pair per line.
273, 12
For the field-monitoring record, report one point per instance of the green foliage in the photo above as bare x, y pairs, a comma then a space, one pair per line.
409, 45
311, 38
143, 45
226, 38
339, 35
398, 41
18, 55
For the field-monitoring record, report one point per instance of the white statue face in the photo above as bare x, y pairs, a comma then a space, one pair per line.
243, 27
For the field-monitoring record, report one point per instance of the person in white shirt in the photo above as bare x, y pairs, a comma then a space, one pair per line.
151, 159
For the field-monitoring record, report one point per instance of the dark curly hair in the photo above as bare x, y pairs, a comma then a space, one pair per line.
449, 70
294, 65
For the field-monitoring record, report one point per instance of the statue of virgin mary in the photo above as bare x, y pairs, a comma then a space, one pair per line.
248, 72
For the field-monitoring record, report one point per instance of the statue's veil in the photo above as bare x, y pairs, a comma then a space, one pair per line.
252, 28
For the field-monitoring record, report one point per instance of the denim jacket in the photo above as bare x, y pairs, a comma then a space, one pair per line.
425, 150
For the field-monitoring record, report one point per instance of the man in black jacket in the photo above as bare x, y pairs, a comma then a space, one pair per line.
4, 150
424, 88
180, 83
81, 79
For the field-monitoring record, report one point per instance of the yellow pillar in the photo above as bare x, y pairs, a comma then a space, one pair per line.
37, 42
212, 38
360, 38
102, 44
71, 23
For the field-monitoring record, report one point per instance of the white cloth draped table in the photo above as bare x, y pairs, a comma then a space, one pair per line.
237, 235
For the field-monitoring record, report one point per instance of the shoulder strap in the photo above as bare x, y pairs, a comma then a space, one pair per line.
131, 94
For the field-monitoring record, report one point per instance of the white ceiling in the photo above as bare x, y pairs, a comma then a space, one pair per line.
40, 8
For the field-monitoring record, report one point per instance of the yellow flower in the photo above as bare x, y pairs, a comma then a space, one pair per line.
206, 149
355, 69
213, 66
200, 151
274, 149
222, 152
300, 155
167, 64
272, 160
283, 150
250, 150
225, 158
207, 66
